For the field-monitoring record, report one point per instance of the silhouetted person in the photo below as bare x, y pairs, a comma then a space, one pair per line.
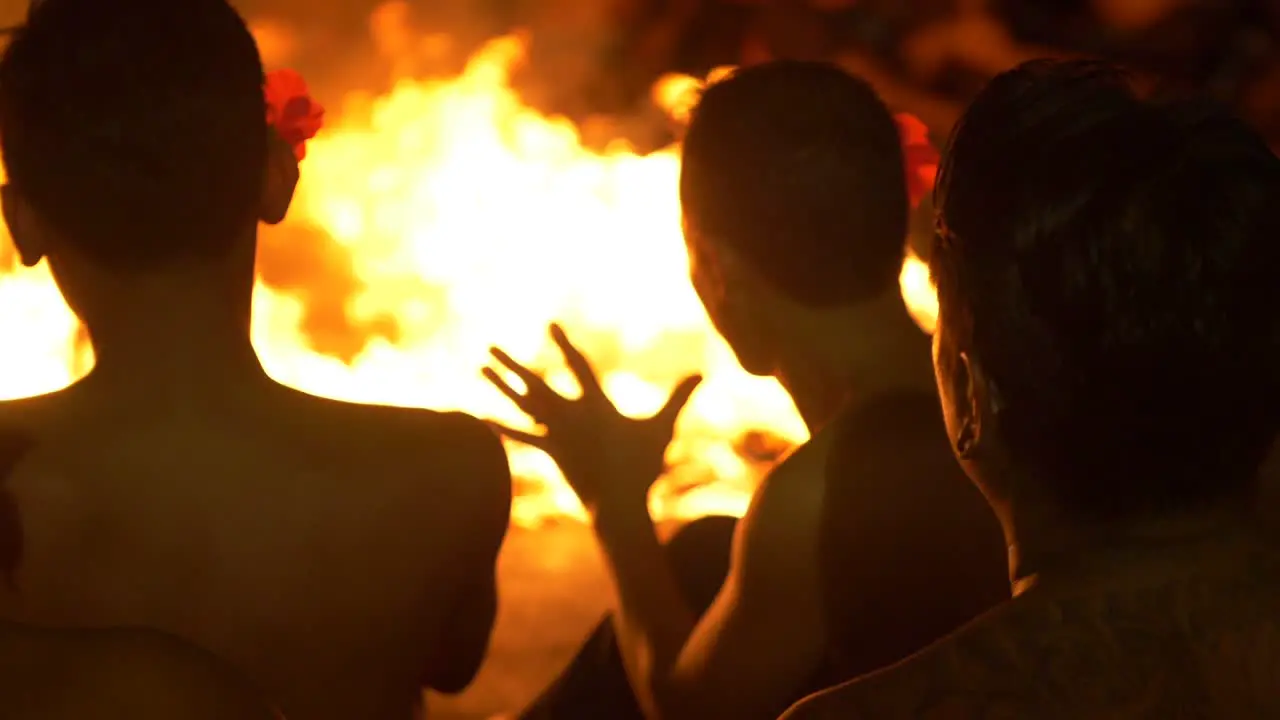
48, 674
795, 209
342, 556
1108, 367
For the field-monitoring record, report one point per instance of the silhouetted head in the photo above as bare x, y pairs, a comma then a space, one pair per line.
134, 136
794, 198
1106, 272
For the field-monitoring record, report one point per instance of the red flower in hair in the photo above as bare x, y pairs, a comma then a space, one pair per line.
920, 156
295, 116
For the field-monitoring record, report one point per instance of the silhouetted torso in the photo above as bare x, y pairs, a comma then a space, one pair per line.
109, 675
1192, 633
323, 548
911, 550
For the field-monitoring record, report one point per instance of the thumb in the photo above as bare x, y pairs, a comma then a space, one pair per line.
679, 398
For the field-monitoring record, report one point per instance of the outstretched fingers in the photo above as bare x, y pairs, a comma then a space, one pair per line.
679, 398
535, 386
577, 362
497, 381
528, 438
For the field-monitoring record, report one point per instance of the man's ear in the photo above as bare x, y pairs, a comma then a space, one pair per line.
30, 236
280, 180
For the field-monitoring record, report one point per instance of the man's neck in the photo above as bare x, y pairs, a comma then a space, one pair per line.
842, 357
175, 340
1046, 550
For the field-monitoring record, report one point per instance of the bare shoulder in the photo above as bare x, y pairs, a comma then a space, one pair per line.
797, 484
826, 705
472, 460
439, 482
903, 528
786, 509
930, 684
465, 453
1203, 644
456, 444
785, 514
444, 455
776, 544
143, 675
983, 670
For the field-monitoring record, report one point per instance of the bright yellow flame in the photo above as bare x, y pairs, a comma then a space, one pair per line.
677, 94
918, 292
474, 221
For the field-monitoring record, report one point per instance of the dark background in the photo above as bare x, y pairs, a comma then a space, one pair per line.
593, 57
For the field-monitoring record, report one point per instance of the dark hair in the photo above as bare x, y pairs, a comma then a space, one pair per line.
798, 166
1111, 262
137, 127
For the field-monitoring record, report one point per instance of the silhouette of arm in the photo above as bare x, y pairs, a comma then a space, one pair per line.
761, 639
486, 481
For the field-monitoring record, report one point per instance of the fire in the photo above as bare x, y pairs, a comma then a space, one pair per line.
470, 220
918, 292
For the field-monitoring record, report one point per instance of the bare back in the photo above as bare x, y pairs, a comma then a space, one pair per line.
1204, 643
862, 547
911, 551
341, 555
107, 675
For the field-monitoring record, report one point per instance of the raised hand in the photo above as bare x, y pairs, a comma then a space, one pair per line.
605, 456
